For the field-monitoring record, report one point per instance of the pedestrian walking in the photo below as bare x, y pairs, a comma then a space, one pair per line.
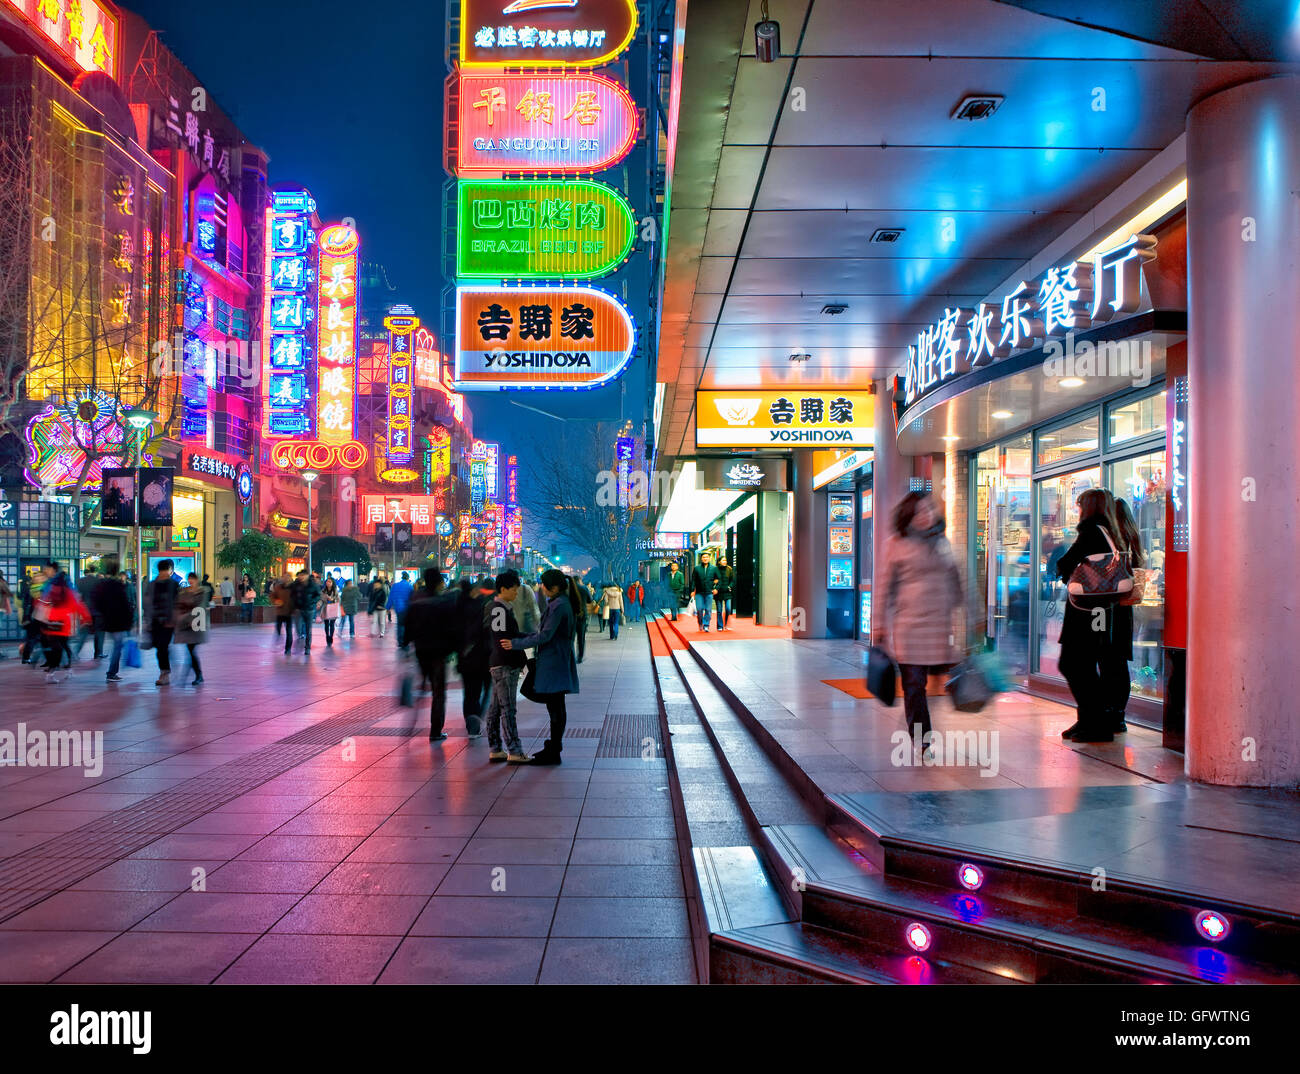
635, 599
306, 595
504, 667
59, 609
704, 579
1117, 682
90, 627
192, 609
556, 673
160, 608
116, 616
329, 605
612, 598
376, 607
473, 659
602, 609
676, 588
349, 602
7, 606
398, 598
212, 590
282, 601
247, 597
723, 591
920, 589
578, 597
227, 591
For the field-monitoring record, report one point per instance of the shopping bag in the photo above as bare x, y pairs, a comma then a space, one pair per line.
131, 653
528, 688
994, 670
968, 688
882, 675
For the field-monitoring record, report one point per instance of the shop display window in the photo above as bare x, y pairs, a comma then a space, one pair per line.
1130, 419
1066, 443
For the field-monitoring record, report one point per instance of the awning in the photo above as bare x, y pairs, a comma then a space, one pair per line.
291, 506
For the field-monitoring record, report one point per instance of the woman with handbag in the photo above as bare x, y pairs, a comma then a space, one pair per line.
329, 608
920, 590
555, 672
1087, 632
1117, 683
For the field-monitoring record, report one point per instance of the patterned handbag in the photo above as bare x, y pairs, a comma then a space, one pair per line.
1139, 586
1101, 580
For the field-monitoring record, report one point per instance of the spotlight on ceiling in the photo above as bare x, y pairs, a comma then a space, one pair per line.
800, 357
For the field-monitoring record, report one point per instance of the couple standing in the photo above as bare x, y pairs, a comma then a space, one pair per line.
712, 586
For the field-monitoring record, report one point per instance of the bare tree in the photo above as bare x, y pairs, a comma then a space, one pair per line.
571, 495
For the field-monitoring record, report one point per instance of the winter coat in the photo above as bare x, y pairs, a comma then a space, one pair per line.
471, 608
61, 610
726, 583
677, 583
350, 599
612, 598
282, 598
113, 604
703, 579
920, 591
400, 596
433, 625
557, 669
1077, 631
160, 601
329, 603
499, 614
377, 597
525, 609
192, 629
635, 593
305, 595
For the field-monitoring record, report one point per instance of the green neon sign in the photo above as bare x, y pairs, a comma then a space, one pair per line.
541, 229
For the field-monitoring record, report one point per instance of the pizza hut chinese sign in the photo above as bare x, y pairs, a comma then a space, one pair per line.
542, 123
1068, 298
540, 337
544, 33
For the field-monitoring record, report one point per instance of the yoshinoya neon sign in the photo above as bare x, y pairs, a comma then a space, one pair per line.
540, 337
289, 314
544, 33
337, 340
564, 229
568, 123
1067, 298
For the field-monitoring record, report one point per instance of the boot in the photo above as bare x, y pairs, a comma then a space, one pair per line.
546, 755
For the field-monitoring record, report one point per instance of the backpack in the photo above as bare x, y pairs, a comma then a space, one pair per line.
1101, 580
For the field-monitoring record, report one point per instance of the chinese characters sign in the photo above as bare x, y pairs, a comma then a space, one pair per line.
1068, 298
419, 511
768, 418
543, 123
567, 229
544, 33
288, 320
83, 30
533, 337
60, 437
337, 339
401, 323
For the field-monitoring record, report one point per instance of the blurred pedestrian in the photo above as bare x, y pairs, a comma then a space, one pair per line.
472, 661
612, 598
160, 609
192, 609
282, 601
433, 629
920, 589
114, 604
329, 608
227, 590
376, 607
349, 602
504, 667
59, 609
306, 595
398, 598
579, 598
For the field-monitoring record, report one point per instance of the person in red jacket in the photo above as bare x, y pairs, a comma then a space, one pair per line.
59, 610
635, 598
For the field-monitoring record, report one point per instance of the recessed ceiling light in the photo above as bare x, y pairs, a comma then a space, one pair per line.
800, 357
887, 234
1002, 415
1072, 382
950, 439
834, 309
977, 106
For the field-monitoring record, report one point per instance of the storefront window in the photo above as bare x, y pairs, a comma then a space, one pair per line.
1003, 528
1068, 442
1127, 421
1140, 482
1058, 518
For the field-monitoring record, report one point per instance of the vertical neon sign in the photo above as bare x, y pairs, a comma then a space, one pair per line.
337, 343
401, 323
288, 363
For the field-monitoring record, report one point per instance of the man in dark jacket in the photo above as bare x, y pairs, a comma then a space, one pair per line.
306, 592
433, 629
93, 627
113, 606
160, 607
504, 666
677, 586
475, 672
704, 580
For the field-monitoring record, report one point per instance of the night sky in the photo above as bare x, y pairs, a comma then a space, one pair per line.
348, 100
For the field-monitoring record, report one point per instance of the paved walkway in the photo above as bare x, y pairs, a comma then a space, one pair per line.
278, 825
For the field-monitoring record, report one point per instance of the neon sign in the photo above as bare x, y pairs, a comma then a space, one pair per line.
83, 30
563, 229
419, 511
540, 337
1068, 298
544, 33
337, 341
1178, 467
401, 323
567, 123
60, 437
299, 454
288, 329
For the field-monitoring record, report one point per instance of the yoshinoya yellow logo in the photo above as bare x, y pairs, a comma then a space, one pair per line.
806, 417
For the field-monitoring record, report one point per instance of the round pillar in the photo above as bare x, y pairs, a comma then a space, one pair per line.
811, 529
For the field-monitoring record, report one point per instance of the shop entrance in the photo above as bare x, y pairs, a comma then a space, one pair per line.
743, 561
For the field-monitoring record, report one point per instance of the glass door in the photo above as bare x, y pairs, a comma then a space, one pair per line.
1003, 559
1058, 517
1140, 481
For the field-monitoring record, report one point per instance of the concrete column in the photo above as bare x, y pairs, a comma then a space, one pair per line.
1243, 261
890, 473
808, 599
773, 560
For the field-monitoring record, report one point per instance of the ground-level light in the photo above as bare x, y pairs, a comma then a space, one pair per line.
917, 936
969, 876
1214, 927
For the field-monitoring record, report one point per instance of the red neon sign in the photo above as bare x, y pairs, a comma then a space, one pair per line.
84, 31
336, 323
566, 124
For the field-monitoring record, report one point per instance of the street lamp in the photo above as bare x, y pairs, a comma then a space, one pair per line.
139, 419
309, 476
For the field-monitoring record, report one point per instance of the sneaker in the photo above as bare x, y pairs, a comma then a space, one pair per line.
114, 678
51, 678
164, 679
517, 757
497, 755
439, 737
198, 681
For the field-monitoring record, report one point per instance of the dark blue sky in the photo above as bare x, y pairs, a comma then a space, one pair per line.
348, 101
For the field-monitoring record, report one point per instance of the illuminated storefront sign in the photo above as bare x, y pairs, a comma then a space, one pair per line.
565, 229
1178, 449
299, 454
419, 511
623, 449
1068, 298
288, 320
211, 466
337, 339
514, 529
401, 323
244, 483
805, 417
60, 437
437, 456
512, 479
534, 337
492, 473
742, 474
477, 477
542, 123
83, 30
544, 33
836, 462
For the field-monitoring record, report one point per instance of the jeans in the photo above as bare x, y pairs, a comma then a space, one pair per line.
614, 616
378, 624
161, 636
476, 684
352, 625
119, 640
722, 605
433, 666
194, 660
501, 710
634, 611
246, 613
581, 636
702, 613
304, 629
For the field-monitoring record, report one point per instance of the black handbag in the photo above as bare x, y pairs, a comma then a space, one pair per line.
528, 687
882, 675
968, 687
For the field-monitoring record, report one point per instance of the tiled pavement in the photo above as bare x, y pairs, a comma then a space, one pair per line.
377, 858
